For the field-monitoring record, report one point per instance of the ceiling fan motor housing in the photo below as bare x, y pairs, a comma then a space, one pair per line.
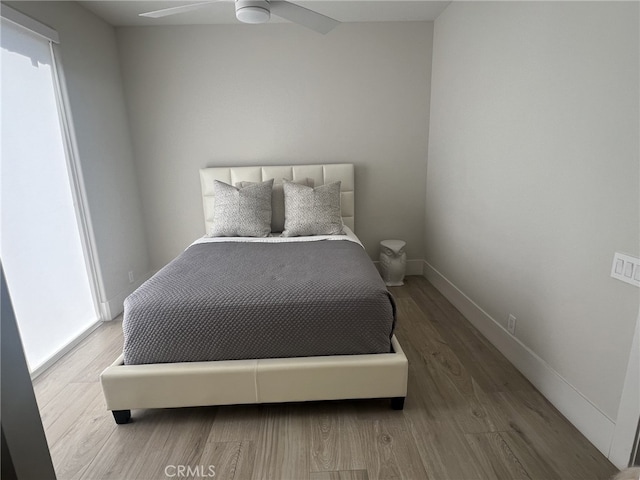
253, 11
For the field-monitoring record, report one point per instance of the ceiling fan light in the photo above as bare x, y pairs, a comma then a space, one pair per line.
252, 11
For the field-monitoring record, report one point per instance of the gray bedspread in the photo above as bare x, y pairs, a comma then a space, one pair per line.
229, 301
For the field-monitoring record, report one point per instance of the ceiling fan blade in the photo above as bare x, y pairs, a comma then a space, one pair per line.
165, 12
303, 16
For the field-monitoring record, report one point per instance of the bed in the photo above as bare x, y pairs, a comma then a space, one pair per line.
354, 361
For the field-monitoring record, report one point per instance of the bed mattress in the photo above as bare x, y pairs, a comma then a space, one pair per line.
232, 300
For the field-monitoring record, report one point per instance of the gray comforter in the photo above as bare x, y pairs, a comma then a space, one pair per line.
229, 301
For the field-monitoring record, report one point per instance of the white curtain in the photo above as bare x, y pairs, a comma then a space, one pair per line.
39, 238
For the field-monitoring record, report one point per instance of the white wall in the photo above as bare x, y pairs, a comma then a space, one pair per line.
533, 178
277, 94
94, 83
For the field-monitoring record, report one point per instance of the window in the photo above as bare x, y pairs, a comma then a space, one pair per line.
40, 240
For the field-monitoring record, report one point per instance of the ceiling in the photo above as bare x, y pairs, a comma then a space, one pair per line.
125, 13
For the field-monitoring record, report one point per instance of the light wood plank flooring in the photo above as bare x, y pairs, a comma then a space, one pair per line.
469, 414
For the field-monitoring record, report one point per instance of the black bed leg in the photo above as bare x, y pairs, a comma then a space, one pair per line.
397, 403
121, 416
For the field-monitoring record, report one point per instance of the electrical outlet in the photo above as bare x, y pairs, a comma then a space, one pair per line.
511, 325
131, 279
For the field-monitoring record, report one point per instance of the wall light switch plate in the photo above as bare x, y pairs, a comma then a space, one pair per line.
626, 268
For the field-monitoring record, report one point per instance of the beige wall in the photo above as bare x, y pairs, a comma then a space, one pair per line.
533, 176
92, 71
276, 94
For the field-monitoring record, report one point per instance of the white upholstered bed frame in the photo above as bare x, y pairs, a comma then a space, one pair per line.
274, 380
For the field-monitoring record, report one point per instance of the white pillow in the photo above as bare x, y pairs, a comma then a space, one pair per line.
312, 211
242, 212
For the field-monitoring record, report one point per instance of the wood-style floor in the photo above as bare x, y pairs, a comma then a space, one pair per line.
469, 414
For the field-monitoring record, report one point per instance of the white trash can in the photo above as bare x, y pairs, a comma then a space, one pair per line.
393, 262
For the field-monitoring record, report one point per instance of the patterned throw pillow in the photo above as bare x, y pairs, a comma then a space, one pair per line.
312, 211
242, 212
277, 201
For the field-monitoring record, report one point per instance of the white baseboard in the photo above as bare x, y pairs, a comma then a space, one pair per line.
414, 267
115, 305
584, 415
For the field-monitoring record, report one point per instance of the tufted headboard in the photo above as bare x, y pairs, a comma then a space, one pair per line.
320, 174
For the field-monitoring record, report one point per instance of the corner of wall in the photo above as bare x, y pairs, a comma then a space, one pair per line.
629, 410
114, 306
